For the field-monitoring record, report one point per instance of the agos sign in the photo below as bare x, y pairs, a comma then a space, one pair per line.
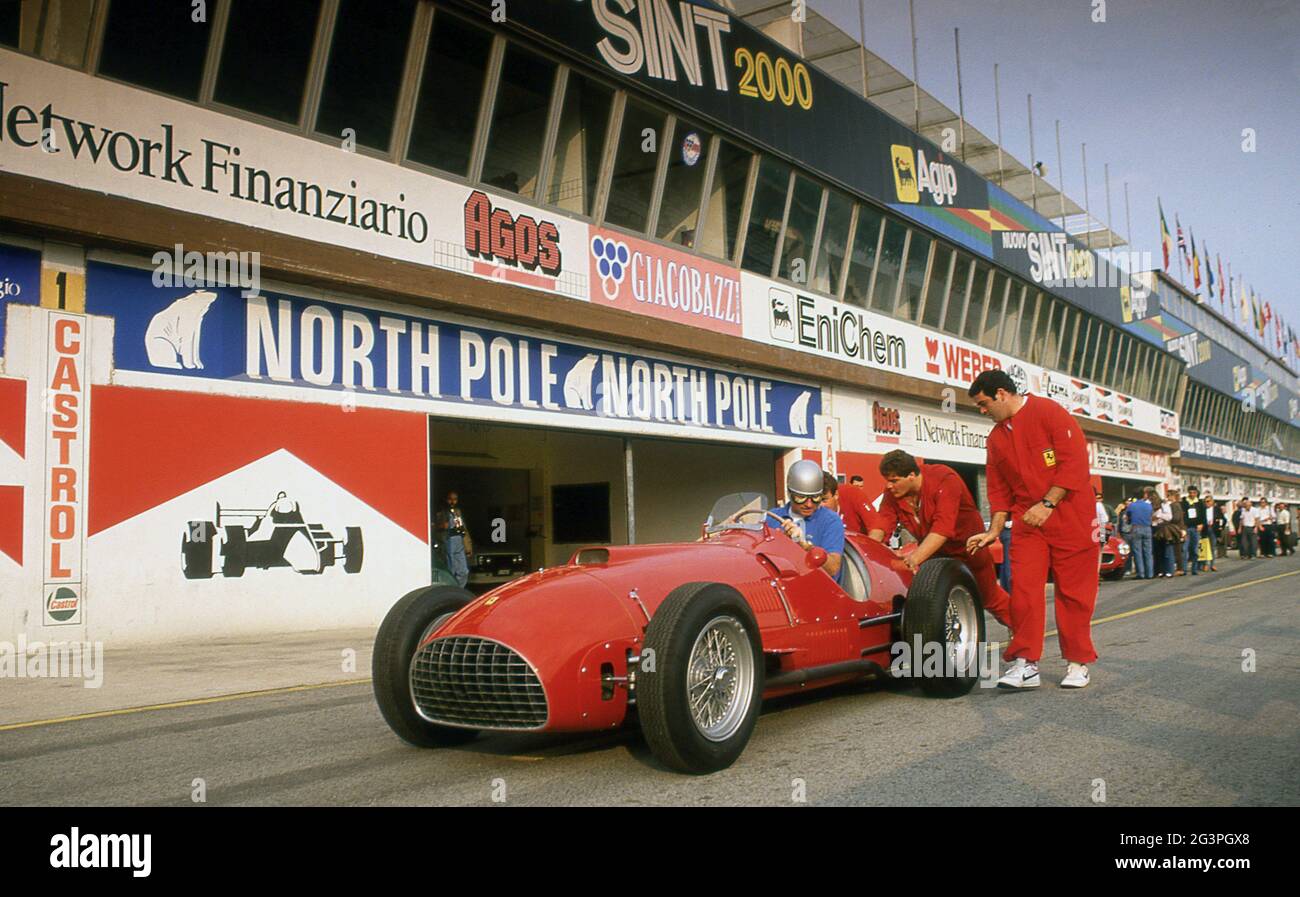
497, 235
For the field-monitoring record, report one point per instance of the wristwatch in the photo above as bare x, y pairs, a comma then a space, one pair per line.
1051, 505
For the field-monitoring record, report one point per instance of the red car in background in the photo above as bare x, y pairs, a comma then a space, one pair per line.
691, 636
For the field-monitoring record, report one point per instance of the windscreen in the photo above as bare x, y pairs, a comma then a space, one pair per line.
739, 510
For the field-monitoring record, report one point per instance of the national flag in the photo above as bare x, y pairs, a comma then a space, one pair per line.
1209, 272
1182, 244
1166, 241
1196, 262
1219, 262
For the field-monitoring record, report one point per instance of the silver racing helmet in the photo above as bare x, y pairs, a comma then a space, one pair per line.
804, 478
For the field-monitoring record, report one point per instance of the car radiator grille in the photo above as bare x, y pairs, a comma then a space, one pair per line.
467, 681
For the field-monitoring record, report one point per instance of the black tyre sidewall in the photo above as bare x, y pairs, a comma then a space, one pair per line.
197, 555
662, 703
353, 550
390, 664
233, 551
924, 614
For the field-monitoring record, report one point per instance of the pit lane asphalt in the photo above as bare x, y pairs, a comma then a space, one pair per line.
1171, 718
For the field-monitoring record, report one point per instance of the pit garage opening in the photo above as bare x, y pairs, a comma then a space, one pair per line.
531, 496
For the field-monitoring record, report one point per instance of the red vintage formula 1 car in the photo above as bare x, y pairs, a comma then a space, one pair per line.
693, 636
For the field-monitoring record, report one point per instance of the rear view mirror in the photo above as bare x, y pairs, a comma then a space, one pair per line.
816, 557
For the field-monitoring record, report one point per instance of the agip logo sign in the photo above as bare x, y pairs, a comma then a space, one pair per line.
914, 175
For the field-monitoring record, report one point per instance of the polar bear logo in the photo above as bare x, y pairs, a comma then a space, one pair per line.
172, 338
577, 383
799, 414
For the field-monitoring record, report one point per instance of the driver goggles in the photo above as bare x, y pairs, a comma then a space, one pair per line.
797, 499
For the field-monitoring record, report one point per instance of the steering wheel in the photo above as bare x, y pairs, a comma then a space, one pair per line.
780, 521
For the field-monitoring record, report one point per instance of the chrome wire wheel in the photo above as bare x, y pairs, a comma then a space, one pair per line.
961, 631
720, 678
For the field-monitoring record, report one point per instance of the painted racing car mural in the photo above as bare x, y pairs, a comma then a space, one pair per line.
278, 536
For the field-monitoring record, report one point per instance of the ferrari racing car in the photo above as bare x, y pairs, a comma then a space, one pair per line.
692, 637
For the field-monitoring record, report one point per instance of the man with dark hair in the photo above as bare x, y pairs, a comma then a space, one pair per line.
830, 491
932, 503
856, 480
1038, 473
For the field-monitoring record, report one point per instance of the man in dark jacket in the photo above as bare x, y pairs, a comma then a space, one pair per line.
1178, 526
1193, 515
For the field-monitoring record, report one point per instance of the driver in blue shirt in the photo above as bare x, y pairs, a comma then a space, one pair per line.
806, 520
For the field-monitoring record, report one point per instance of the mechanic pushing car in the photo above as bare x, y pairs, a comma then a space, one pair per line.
932, 503
1038, 473
806, 520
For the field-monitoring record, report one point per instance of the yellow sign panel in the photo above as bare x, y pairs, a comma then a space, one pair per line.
905, 173
63, 289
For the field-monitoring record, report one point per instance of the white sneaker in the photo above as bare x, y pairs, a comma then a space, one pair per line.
1076, 676
1021, 674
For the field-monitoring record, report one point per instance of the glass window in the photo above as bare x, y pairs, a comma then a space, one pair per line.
960, 286
726, 201
523, 101
632, 186
367, 56
1048, 341
863, 261
1011, 318
1097, 357
442, 133
688, 159
975, 307
833, 244
765, 216
937, 291
918, 256
132, 36
10, 23
265, 56
889, 268
993, 318
800, 228
1028, 311
579, 144
1083, 336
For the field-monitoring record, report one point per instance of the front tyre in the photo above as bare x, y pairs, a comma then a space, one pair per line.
943, 610
699, 704
416, 615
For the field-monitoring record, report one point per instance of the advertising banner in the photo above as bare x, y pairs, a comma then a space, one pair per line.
1197, 445
363, 351
650, 279
20, 281
781, 315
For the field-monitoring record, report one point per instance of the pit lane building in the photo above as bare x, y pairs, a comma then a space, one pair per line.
591, 266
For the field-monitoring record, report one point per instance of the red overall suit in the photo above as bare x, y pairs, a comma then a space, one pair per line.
946, 507
1038, 447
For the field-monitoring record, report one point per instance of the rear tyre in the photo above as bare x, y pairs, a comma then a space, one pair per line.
197, 546
234, 551
414, 616
943, 609
353, 550
700, 703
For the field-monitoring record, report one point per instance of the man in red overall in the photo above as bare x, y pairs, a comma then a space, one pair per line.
934, 505
1038, 473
